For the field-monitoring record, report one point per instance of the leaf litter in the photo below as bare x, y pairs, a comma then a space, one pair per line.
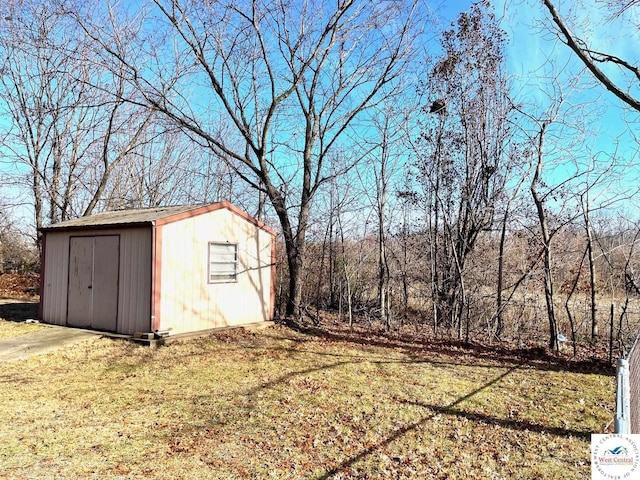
289, 405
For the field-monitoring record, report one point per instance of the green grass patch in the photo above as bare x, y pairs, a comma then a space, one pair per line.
283, 405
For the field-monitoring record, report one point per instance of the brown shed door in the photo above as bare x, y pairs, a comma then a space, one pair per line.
93, 282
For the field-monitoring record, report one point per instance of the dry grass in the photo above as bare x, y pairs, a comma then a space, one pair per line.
13, 313
284, 405
15, 329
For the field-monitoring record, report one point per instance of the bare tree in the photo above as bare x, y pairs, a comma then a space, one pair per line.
289, 80
462, 153
516, 157
550, 223
68, 126
592, 58
558, 199
377, 176
37, 105
545, 235
121, 137
382, 187
17, 251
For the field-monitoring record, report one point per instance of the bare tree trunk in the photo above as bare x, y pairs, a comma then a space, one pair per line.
37, 205
592, 268
499, 326
405, 273
593, 290
383, 269
435, 241
349, 299
321, 277
56, 173
383, 276
405, 197
383, 265
346, 276
546, 243
574, 286
332, 257
294, 301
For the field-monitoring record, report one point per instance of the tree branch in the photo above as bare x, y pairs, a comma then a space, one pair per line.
585, 56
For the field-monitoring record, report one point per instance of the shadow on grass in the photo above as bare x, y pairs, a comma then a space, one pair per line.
343, 359
452, 410
18, 311
452, 354
417, 346
505, 423
291, 375
14, 379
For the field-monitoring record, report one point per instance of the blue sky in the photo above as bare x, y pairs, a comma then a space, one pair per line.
598, 126
535, 52
535, 55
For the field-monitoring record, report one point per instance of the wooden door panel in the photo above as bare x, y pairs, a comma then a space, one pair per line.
105, 282
92, 298
79, 297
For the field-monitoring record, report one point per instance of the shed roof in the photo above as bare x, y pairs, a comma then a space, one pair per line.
148, 216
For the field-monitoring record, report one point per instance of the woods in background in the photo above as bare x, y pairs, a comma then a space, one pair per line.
409, 181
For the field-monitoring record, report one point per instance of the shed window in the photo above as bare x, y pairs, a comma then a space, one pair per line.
223, 262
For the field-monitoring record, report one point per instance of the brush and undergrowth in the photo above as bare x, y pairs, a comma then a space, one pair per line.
279, 403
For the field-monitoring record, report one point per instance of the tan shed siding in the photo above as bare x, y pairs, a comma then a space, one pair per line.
188, 301
134, 302
54, 286
134, 280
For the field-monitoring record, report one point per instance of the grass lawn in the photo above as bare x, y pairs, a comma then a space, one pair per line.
13, 314
284, 405
13, 329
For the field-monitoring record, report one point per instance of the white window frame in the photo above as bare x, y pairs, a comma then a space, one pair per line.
223, 262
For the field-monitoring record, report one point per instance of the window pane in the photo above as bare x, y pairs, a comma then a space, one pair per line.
223, 260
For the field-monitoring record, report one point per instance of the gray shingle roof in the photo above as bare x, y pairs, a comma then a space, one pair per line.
143, 216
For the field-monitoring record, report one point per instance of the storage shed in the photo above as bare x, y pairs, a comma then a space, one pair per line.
167, 270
